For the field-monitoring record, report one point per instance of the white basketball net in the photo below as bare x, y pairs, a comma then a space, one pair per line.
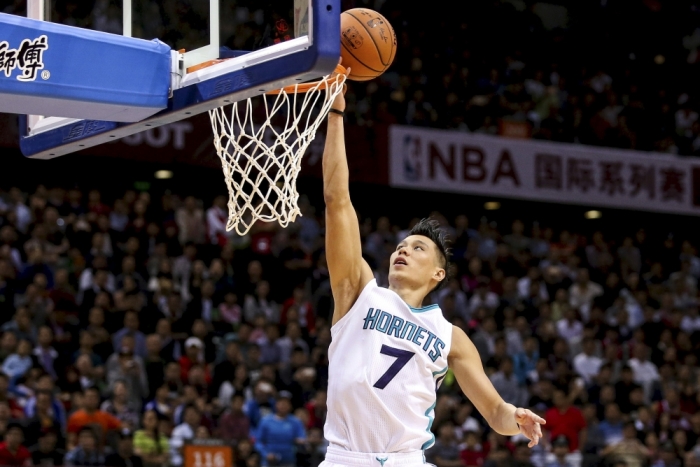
261, 162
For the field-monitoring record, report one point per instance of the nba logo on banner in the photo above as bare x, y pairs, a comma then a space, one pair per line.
413, 158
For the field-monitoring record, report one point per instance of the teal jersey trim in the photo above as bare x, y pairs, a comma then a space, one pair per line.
439, 372
423, 309
430, 442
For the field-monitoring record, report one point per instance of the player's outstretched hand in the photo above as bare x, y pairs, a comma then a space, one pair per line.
530, 425
339, 102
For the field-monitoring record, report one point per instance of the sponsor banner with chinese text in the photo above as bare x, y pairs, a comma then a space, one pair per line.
439, 160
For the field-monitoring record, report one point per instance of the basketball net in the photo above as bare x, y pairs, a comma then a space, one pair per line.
261, 162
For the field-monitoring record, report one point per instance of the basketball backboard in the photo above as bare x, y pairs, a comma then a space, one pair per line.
264, 45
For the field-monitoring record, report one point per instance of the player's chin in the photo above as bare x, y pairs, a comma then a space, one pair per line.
396, 275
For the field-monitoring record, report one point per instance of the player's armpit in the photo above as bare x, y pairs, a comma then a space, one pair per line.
349, 272
465, 362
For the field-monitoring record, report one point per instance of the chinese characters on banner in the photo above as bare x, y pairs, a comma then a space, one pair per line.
439, 160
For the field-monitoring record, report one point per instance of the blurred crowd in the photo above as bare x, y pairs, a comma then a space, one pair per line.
134, 325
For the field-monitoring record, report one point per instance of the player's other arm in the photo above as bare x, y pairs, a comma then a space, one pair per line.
349, 272
503, 418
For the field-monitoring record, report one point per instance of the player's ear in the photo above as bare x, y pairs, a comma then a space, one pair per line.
439, 274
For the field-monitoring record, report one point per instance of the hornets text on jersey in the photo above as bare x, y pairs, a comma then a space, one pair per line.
386, 363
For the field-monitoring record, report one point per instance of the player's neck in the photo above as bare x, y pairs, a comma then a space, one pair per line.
413, 298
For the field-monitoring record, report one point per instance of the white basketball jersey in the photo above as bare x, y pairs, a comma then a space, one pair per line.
386, 362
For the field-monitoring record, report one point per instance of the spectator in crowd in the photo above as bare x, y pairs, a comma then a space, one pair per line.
91, 415
150, 443
87, 452
12, 452
645, 372
629, 449
445, 452
233, 423
44, 418
280, 433
121, 406
612, 425
183, 433
586, 364
17, 364
124, 455
46, 452
131, 328
506, 383
560, 449
563, 419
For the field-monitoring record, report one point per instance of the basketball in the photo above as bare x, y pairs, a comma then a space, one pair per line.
368, 43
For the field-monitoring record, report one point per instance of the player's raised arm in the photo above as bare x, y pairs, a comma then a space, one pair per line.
503, 418
349, 272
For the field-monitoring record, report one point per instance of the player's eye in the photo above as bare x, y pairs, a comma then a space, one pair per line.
418, 248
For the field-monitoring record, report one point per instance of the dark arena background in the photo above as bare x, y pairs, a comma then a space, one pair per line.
557, 143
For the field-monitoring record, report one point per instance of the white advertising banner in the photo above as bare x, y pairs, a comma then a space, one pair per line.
439, 160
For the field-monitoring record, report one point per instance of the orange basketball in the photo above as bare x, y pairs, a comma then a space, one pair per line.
368, 43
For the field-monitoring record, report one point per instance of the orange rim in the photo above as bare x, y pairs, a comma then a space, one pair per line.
306, 87
206, 64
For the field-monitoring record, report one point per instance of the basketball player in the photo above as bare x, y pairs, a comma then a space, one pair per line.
389, 353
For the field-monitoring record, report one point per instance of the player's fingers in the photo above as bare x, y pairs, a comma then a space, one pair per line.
534, 417
533, 442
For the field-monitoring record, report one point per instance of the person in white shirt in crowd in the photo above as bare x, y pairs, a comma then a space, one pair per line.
183, 433
569, 327
645, 372
23, 213
586, 364
533, 275
190, 221
465, 422
691, 321
583, 291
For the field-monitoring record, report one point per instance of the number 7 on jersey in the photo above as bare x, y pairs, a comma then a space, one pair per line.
402, 357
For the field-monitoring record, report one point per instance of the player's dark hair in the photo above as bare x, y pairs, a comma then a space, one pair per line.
431, 228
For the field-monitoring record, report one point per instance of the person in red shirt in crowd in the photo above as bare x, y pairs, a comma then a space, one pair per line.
194, 355
234, 424
317, 410
565, 420
302, 304
91, 415
12, 453
473, 453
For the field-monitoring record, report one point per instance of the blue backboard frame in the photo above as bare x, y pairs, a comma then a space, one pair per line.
298, 60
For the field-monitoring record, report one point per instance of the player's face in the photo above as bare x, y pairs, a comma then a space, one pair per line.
415, 262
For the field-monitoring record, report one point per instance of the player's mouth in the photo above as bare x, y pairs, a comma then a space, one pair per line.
400, 262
